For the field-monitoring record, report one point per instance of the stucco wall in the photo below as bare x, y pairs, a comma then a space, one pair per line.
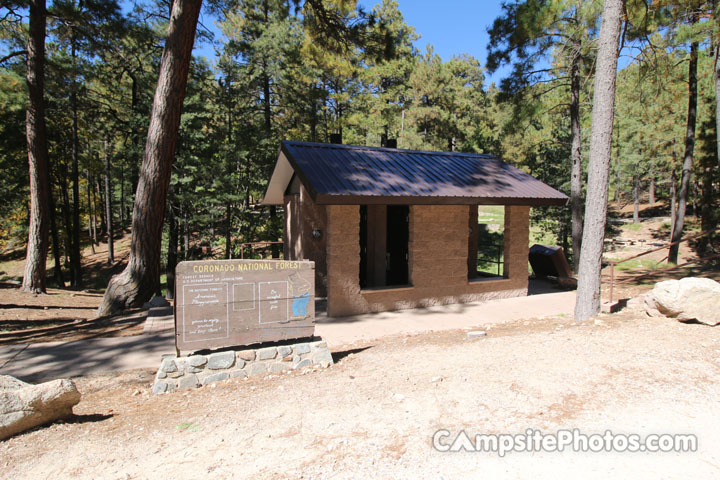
302, 216
438, 260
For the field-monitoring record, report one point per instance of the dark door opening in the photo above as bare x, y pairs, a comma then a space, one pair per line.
363, 246
397, 244
384, 236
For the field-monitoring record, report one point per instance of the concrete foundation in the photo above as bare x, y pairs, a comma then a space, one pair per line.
180, 373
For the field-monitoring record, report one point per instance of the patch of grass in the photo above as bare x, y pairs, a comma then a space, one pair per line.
640, 264
491, 210
491, 214
633, 227
188, 427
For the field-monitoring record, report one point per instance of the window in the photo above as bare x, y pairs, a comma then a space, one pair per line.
487, 239
384, 235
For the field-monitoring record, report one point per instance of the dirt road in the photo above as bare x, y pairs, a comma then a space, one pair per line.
373, 414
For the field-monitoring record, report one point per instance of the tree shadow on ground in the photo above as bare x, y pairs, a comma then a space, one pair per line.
338, 356
90, 418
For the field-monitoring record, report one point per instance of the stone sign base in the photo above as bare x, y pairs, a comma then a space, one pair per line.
179, 373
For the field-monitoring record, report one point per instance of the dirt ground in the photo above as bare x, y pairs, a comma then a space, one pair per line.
373, 413
63, 314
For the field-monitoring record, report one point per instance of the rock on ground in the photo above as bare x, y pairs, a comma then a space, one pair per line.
24, 406
686, 299
156, 302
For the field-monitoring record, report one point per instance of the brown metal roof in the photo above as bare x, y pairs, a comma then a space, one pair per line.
347, 174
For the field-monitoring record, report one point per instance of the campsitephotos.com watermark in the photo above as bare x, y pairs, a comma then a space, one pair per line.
562, 440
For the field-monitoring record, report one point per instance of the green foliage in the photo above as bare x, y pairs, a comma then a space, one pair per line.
327, 67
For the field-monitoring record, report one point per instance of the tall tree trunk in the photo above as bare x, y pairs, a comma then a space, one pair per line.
313, 117
57, 272
576, 175
136, 284
228, 230
103, 223
673, 201
229, 166
708, 220
617, 194
651, 189
93, 219
186, 235
90, 214
122, 197
268, 131
108, 207
75, 266
67, 217
716, 71
37, 248
135, 157
636, 199
172, 251
689, 151
589, 275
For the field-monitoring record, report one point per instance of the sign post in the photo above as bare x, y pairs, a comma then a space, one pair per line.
224, 303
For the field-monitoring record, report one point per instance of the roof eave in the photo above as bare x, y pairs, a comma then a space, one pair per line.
285, 167
432, 200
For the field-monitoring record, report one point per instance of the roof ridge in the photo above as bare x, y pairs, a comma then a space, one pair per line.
342, 146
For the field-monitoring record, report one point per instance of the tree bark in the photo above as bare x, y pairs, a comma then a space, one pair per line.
636, 199
186, 235
673, 200
172, 252
268, 131
37, 248
589, 274
707, 215
576, 154
67, 216
228, 230
716, 71
689, 151
134, 160
90, 213
651, 189
108, 207
75, 266
122, 197
103, 223
138, 281
57, 272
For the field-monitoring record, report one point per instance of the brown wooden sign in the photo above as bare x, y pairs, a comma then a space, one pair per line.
223, 303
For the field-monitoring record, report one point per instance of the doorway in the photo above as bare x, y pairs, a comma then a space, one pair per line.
398, 220
384, 235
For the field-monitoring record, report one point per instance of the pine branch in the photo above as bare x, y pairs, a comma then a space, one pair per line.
11, 55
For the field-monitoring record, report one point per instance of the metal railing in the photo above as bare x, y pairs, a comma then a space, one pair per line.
492, 253
674, 267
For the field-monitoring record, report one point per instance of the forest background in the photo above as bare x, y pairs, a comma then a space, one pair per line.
275, 76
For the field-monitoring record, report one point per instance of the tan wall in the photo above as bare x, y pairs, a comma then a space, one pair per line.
302, 215
473, 241
517, 243
343, 260
438, 261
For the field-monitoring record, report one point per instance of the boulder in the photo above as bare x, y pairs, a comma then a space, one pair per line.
24, 406
156, 302
686, 299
